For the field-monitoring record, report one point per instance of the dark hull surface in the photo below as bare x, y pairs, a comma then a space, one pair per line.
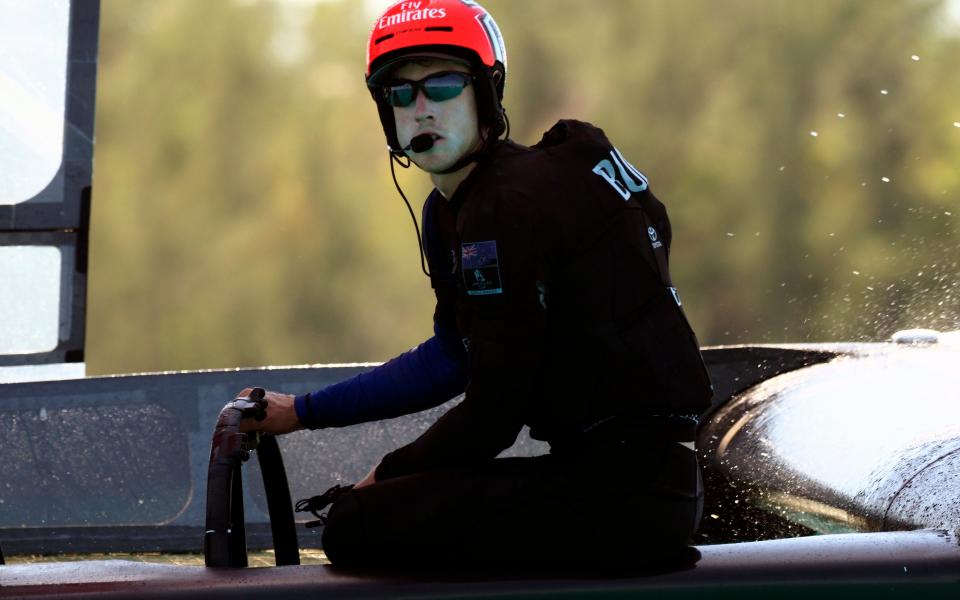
925, 563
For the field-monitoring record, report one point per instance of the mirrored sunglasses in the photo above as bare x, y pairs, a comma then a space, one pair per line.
437, 87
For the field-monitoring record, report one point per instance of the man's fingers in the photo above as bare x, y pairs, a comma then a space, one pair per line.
281, 414
245, 393
250, 423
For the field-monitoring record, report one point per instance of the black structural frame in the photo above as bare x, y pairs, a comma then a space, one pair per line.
224, 541
60, 214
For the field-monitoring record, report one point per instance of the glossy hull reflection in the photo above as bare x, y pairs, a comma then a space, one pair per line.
866, 442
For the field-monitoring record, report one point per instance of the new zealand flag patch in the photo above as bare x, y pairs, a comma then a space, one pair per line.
481, 268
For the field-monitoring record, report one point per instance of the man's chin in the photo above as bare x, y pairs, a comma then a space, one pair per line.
434, 164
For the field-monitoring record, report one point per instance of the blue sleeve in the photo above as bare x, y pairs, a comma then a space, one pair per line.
424, 377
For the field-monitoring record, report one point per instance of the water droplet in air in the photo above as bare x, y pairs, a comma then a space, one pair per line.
885, 179
884, 92
841, 115
856, 272
814, 134
729, 234
915, 58
956, 124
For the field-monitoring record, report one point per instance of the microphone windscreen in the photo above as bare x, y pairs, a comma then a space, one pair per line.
421, 143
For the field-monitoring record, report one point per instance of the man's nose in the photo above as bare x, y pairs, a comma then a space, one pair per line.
424, 107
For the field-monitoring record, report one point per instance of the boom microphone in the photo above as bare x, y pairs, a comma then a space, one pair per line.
420, 143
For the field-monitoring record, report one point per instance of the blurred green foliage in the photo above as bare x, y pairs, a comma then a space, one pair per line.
808, 152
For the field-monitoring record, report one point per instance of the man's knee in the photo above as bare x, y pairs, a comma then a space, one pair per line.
342, 537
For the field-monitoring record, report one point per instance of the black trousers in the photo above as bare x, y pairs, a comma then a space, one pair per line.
619, 505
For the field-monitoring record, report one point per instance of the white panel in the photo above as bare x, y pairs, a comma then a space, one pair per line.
33, 78
29, 299
55, 372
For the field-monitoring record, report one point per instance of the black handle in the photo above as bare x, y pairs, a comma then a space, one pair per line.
282, 524
224, 541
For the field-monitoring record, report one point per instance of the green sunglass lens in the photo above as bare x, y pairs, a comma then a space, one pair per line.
437, 88
439, 93
445, 87
401, 95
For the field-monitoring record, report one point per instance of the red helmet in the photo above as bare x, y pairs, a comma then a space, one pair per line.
460, 29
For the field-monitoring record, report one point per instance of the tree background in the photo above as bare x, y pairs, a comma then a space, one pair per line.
244, 215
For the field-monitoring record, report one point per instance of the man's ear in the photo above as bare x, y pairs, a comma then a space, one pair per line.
497, 74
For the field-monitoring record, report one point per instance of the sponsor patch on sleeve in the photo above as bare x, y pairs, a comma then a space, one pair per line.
481, 268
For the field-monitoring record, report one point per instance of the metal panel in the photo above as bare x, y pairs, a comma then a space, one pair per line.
64, 202
121, 462
60, 214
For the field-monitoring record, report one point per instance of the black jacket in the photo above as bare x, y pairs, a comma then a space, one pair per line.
550, 263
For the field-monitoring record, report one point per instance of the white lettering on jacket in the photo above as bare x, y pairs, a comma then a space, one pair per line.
625, 179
